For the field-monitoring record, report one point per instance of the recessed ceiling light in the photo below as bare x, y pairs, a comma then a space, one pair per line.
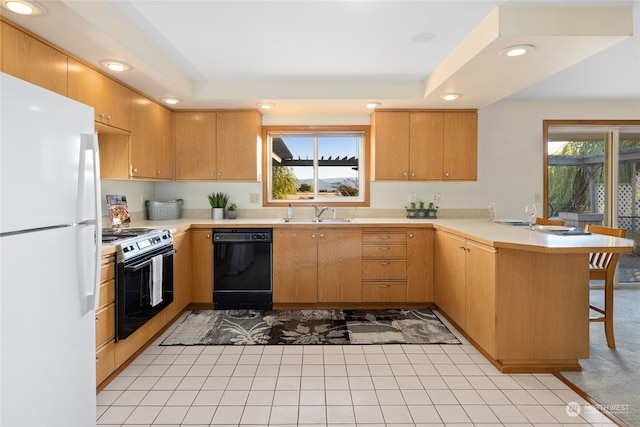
171, 100
450, 96
24, 7
265, 105
517, 50
116, 66
373, 104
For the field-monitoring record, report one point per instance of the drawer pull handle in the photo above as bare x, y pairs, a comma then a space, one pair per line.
384, 237
384, 248
383, 286
383, 263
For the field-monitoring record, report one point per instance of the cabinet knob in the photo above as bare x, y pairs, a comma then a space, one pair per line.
411, 235
322, 235
135, 170
219, 173
446, 174
404, 174
313, 236
96, 320
413, 174
208, 236
212, 174
157, 172
102, 116
108, 117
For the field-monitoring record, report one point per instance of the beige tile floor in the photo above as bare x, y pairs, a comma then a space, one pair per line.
374, 385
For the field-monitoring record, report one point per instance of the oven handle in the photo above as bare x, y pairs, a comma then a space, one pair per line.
136, 267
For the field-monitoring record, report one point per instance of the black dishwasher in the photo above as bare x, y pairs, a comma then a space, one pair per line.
242, 268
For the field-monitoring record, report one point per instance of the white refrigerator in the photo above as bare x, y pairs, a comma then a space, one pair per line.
49, 257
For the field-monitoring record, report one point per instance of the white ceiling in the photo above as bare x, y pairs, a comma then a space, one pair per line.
331, 57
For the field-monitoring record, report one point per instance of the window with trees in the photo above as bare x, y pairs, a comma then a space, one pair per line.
307, 165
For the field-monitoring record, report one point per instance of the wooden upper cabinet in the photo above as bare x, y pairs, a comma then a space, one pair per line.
217, 145
32, 60
151, 143
238, 145
195, 145
425, 145
390, 131
110, 100
461, 145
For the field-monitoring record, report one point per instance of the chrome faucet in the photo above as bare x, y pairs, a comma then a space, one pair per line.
319, 211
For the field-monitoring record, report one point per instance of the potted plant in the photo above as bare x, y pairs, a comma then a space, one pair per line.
421, 211
411, 212
218, 202
232, 212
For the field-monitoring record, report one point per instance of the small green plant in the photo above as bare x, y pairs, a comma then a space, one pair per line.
413, 205
218, 200
233, 207
421, 204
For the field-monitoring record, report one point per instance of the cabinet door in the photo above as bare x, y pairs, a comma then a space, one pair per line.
238, 145
150, 149
425, 145
195, 145
391, 145
31, 60
449, 279
339, 265
295, 272
111, 100
419, 265
201, 266
481, 295
461, 145
181, 274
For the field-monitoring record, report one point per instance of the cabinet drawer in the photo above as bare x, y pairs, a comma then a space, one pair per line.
392, 237
384, 251
384, 292
105, 324
107, 271
384, 270
107, 292
105, 361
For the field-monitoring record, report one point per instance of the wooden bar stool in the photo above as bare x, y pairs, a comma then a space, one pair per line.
602, 266
545, 221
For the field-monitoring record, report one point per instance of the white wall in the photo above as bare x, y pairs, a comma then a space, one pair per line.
510, 160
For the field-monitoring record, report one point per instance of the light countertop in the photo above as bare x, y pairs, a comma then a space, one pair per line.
480, 230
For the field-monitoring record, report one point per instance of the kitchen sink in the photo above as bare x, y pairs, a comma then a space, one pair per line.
318, 221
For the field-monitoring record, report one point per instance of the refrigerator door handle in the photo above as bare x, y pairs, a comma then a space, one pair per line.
90, 143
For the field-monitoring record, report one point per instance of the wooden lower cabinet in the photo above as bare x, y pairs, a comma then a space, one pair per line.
295, 271
316, 266
201, 266
105, 320
384, 265
181, 274
419, 264
465, 277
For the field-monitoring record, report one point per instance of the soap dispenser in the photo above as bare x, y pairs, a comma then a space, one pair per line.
290, 212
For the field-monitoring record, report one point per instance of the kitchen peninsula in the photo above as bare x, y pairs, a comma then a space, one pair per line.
521, 296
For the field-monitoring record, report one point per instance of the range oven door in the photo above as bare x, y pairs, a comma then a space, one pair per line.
134, 289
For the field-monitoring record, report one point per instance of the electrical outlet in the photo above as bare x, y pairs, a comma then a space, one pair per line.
254, 198
437, 197
537, 198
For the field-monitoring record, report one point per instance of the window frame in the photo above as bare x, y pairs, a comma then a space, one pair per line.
364, 163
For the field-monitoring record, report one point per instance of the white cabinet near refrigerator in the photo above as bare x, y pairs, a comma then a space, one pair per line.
49, 257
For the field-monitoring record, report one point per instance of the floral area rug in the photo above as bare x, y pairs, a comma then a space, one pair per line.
303, 327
